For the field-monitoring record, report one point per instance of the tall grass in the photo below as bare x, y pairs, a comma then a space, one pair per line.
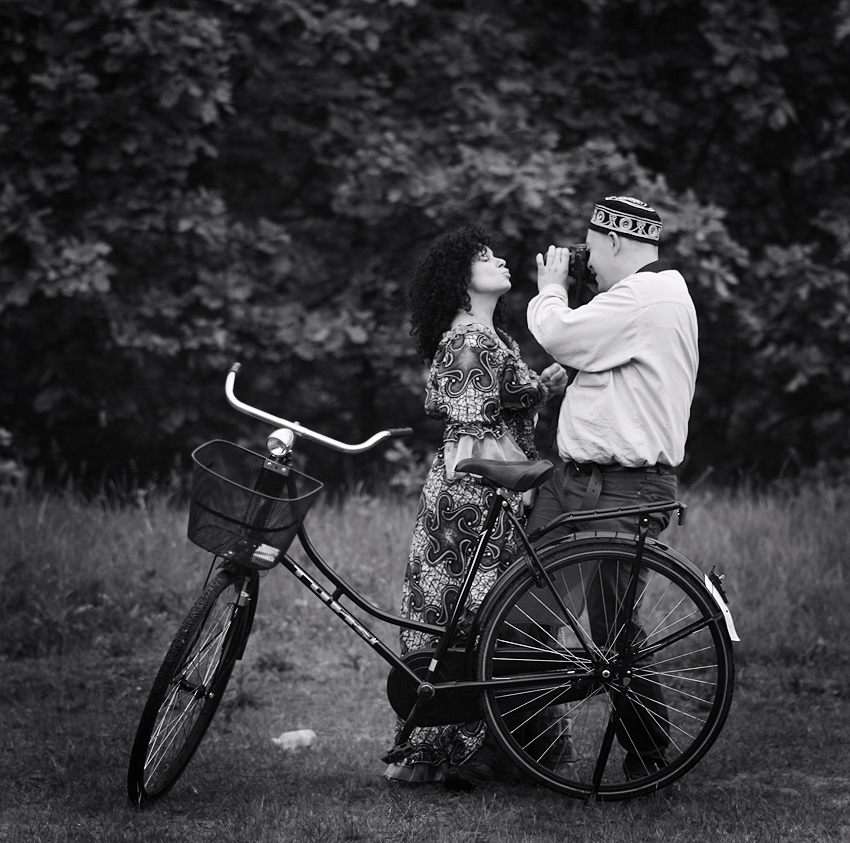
74, 572
785, 554
99, 590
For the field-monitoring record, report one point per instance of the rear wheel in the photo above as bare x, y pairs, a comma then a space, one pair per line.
190, 684
608, 709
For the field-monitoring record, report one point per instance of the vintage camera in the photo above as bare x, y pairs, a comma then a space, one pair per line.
584, 288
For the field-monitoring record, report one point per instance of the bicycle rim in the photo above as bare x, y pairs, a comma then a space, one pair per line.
592, 719
190, 684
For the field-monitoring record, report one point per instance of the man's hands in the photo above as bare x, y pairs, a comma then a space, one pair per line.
554, 376
553, 267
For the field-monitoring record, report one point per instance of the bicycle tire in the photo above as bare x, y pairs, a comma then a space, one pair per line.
190, 684
557, 727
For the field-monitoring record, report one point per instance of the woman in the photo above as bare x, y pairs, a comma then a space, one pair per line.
487, 396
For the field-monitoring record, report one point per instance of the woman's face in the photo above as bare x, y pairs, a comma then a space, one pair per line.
490, 275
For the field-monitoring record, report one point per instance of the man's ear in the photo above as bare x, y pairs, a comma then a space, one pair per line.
616, 242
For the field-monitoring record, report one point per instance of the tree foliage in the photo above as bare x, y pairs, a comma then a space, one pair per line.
189, 184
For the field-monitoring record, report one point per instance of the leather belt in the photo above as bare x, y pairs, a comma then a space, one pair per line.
588, 467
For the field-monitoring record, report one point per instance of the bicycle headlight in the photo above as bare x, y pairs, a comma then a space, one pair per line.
280, 442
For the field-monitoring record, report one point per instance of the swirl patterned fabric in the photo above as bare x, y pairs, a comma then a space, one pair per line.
479, 385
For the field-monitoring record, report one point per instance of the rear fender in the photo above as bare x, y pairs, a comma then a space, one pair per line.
586, 540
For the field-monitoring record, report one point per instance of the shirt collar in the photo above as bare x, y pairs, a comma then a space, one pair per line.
656, 266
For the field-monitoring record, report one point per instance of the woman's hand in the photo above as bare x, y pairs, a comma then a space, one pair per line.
555, 378
553, 267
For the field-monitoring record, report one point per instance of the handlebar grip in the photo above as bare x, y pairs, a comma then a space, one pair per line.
400, 432
235, 368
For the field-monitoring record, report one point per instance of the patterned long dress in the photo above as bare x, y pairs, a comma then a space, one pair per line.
487, 396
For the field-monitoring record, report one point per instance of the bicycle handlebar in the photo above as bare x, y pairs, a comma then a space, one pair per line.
305, 432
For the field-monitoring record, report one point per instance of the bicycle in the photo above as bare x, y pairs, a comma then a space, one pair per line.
555, 695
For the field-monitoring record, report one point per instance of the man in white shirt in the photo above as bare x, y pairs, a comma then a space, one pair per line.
623, 420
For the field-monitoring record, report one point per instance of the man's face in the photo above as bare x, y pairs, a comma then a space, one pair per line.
602, 259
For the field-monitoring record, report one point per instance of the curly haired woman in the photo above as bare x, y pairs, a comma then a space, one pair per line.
487, 397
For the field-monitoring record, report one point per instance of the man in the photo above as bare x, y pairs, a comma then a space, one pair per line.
623, 421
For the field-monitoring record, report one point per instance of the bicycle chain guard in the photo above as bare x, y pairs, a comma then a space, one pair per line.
447, 706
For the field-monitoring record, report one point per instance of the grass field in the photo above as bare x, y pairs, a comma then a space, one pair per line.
90, 596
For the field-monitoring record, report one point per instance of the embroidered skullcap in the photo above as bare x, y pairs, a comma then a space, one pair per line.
627, 216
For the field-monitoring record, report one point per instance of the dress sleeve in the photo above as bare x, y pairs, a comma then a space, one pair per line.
521, 388
466, 384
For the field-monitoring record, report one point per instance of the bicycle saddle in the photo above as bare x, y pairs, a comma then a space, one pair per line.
519, 476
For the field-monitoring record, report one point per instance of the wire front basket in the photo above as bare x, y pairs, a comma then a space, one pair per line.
244, 506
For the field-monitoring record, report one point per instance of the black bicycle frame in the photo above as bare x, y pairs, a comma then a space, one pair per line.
499, 505
343, 589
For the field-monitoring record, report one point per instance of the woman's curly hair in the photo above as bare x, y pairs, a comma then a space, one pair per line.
440, 286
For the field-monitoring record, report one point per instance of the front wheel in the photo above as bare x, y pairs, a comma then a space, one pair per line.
190, 684
597, 701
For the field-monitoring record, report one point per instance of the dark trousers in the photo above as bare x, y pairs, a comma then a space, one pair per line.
643, 727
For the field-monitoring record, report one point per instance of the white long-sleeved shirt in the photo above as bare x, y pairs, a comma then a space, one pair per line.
635, 349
